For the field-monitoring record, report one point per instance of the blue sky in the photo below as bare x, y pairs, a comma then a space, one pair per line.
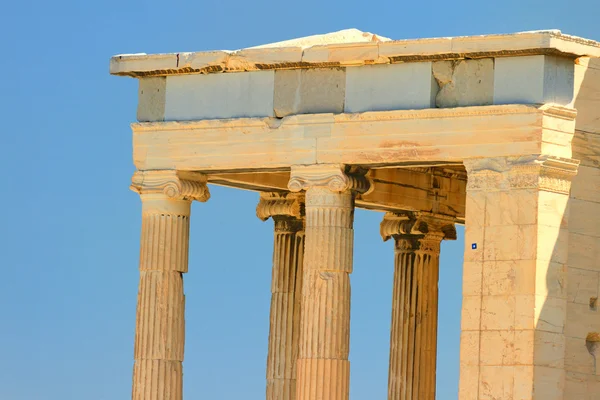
69, 238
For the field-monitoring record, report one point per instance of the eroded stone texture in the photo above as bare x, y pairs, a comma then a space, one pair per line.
413, 342
534, 79
323, 367
514, 316
160, 326
583, 290
464, 82
286, 290
531, 276
151, 99
404, 86
309, 91
212, 96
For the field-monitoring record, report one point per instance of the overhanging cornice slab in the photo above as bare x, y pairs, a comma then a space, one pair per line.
372, 139
348, 54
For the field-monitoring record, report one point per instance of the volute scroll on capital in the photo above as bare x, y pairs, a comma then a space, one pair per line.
417, 224
335, 177
176, 185
276, 204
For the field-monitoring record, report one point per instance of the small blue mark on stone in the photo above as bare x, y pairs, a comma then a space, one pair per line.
474, 246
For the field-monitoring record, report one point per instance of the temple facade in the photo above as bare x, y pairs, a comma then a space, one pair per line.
500, 133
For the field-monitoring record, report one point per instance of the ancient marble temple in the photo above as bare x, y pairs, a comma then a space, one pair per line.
500, 133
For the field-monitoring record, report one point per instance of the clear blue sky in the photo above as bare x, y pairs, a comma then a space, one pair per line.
69, 237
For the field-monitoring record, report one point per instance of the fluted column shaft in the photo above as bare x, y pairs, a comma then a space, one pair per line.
323, 370
160, 326
286, 287
413, 341
323, 366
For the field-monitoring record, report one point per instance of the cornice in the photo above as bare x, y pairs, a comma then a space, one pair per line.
348, 54
180, 185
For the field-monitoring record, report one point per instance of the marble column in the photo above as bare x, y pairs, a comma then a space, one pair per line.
413, 342
287, 212
323, 369
160, 327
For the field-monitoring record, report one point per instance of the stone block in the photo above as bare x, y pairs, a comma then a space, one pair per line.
216, 96
405, 86
584, 251
534, 79
469, 347
587, 100
468, 387
581, 320
524, 347
559, 80
515, 207
523, 383
309, 91
464, 82
552, 243
577, 356
586, 146
550, 279
527, 238
524, 312
501, 209
549, 349
152, 92
471, 313
550, 314
582, 285
497, 312
586, 184
553, 209
585, 217
497, 348
576, 386
474, 243
501, 243
475, 209
549, 383
347, 54
472, 278
496, 382
509, 277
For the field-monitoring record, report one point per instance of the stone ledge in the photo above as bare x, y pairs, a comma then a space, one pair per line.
343, 54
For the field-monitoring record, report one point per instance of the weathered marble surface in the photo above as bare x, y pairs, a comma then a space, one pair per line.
500, 132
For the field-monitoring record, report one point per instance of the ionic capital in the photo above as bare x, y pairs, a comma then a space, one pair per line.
334, 177
542, 172
417, 224
273, 204
176, 185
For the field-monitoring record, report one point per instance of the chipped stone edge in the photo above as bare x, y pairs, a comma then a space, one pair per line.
353, 54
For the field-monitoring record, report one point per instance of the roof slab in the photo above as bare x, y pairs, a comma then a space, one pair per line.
352, 47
